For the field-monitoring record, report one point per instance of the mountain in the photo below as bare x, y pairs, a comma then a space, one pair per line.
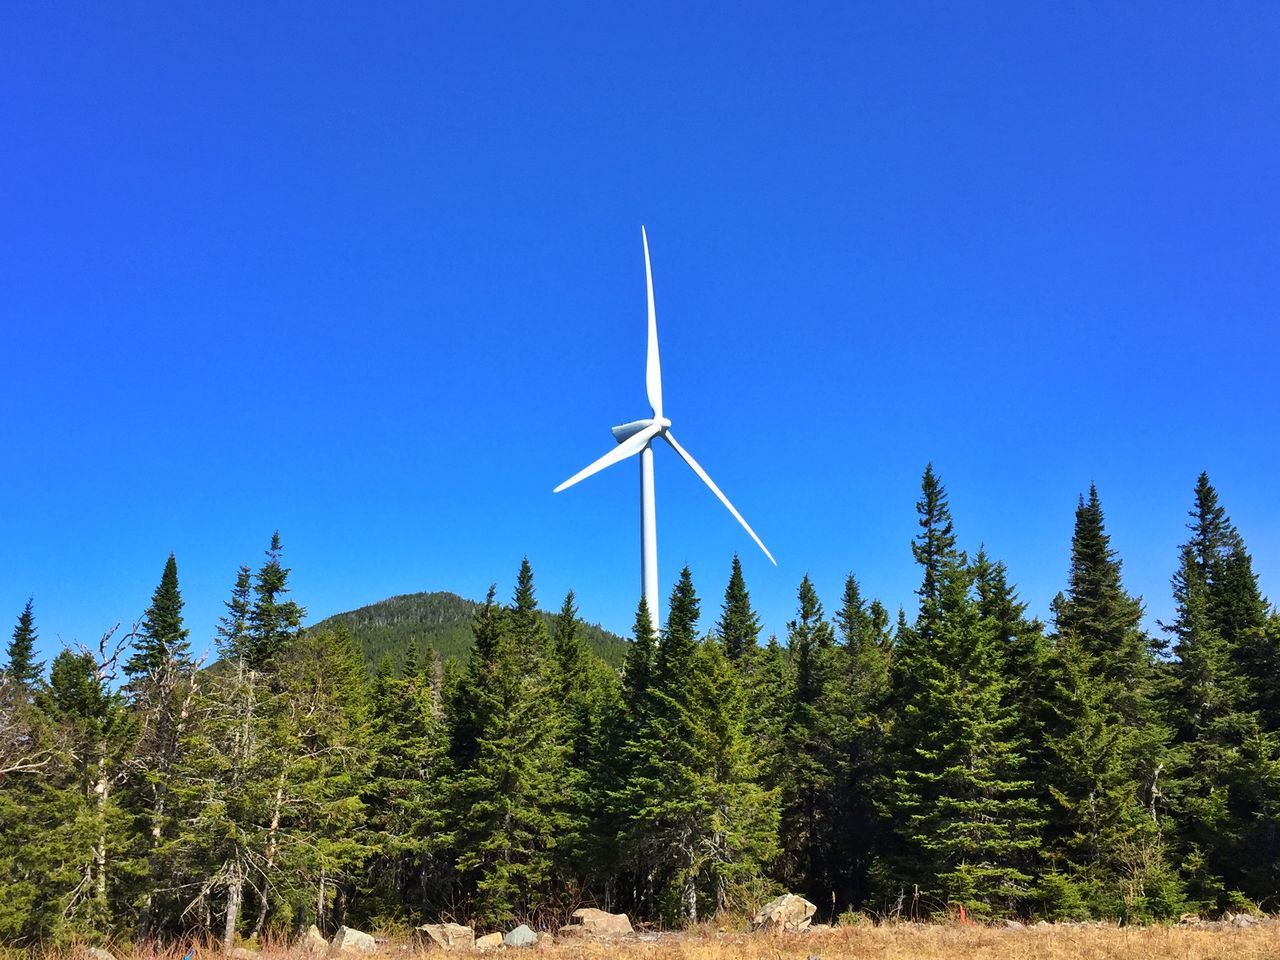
442, 620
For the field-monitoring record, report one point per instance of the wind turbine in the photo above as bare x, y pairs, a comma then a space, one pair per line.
637, 437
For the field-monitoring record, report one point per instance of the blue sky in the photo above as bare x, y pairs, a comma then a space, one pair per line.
372, 276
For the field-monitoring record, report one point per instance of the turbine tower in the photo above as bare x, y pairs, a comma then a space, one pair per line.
637, 438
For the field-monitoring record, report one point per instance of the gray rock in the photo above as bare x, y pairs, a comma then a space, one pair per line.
601, 923
521, 936
1244, 920
787, 912
1013, 925
352, 940
447, 936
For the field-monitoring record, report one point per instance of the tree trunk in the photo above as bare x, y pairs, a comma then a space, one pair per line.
235, 891
260, 922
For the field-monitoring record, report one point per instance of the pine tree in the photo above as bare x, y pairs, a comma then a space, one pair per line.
739, 627
272, 621
22, 667
1106, 747
967, 815
815, 752
934, 547
865, 689
161, 680
510, 806
162, 641
1222, 752
405, 795
693, 820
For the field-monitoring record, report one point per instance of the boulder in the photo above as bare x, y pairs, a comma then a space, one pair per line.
313, 940
1244, 920
489, 941
601, 923
1013, 925
521, 936
787, 912
353, 941
447, 936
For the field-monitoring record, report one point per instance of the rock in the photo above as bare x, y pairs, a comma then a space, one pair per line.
350, 939
521, 936
787, 912
489, 941
1244, 920
313, 940
601, 923
447, 936
97, 953
1013, 925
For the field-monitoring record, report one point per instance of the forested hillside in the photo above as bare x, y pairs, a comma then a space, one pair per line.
959, 755
440, 621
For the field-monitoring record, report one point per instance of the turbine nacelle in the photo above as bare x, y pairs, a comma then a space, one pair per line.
628, 430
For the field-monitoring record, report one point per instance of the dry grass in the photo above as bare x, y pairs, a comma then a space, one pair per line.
955, 943
906, 942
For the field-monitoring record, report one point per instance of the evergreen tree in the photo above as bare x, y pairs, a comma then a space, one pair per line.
510, 806
693, 820
967, 816
1107, 748
405, 798
162, 641
865, 689
815, 758
272, 621
1222, 751
739, 627
22, 668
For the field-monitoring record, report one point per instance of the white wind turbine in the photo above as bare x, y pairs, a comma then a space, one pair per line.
637, 437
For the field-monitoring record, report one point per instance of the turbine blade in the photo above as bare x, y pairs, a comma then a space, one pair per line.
628, 448
693, 464
653, 368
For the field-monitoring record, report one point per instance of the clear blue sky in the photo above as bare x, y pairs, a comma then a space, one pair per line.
371, 274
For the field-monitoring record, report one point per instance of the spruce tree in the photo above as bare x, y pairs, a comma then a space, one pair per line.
272, 620
814, 753
694, 822
162, 640
739, 627
1222, 751
962, 806
1107, 748
21, 667
510, 806
865, 693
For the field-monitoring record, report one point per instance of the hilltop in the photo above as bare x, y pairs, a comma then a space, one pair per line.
443, 620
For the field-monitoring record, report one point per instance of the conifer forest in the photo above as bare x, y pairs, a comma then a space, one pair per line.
894, 761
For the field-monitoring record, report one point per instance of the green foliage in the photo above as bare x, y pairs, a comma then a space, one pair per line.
21, 666
963, 756
443, 621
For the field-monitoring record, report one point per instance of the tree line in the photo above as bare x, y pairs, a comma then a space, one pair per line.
965, 756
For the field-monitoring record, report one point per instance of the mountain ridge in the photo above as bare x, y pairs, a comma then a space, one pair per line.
442, 619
